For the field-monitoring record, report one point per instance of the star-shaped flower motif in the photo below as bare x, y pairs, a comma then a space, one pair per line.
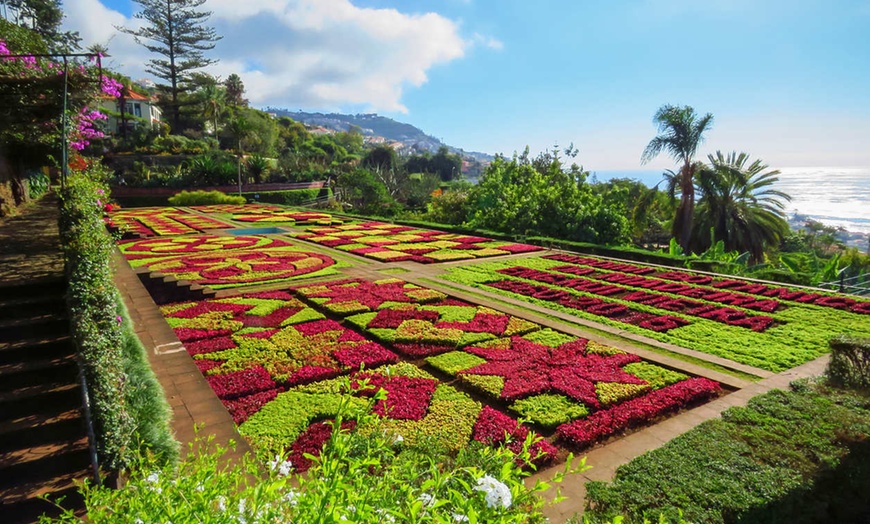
529, 368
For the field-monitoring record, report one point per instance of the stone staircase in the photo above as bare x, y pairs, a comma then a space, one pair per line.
43, 438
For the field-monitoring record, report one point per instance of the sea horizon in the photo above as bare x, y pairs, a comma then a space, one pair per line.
835, 196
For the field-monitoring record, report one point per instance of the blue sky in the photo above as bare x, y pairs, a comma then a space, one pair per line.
787, 81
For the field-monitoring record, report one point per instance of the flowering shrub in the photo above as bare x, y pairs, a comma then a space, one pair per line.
381, 241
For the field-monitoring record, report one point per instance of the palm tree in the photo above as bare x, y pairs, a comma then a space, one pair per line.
213, 99
739, 204
681, 131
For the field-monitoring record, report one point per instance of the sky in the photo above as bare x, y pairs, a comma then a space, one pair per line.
786, 81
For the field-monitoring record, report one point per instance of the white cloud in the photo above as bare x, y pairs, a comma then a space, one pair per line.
324, 54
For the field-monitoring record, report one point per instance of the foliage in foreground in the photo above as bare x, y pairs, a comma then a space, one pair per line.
789, 456
375, 479
126, 399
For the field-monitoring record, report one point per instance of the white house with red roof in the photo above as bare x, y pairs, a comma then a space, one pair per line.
136, 107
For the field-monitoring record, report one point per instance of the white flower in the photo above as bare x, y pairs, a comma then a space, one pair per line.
427, 499
386, 517
398, 440
285, 468
222, 503
139, 521
153, 478
497, 493
292, 497
459, 517
242, 504
200, 488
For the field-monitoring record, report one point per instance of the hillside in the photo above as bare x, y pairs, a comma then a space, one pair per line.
374, 125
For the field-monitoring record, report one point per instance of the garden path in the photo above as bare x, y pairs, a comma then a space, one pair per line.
43, 440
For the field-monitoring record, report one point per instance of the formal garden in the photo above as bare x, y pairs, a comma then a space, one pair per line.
311, 362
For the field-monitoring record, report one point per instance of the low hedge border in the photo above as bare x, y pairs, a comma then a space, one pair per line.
129, 408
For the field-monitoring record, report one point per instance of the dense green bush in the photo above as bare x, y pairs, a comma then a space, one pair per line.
800, 456
37, 184
202, 198
624, 252
125, 398
850, 362
290, 197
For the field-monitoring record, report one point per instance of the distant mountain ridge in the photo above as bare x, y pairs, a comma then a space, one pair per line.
374, 125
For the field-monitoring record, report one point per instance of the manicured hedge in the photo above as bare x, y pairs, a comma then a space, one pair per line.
290, 197
126, 400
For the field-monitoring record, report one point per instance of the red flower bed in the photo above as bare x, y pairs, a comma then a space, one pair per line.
241, 383
641, 410
495, 428
311, 442
407, 398
350, 296
200, 244
243, 267
529, 368
659, 323
728, 316
243, 407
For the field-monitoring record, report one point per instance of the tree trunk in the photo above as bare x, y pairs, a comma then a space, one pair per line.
686, 211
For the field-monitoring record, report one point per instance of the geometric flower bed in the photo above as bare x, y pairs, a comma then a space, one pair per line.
656, 297
245, 267
717, 321
281, 367
287, 216
258, 342
419, 408
559, 380
420, 330
394, 243
262, 213
160, 221
237, 208
751, 295
141, 251
351, 296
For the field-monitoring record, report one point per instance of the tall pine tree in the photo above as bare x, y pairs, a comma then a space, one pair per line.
176, 30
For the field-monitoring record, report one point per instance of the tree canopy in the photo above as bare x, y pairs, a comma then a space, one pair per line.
177, 31
681, 131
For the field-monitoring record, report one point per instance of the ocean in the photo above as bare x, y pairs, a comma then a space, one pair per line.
835, 196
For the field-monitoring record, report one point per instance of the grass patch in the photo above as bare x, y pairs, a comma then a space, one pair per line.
790, 456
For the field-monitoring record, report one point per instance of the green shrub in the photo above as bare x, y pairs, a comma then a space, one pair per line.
799, 456
357, 478
290, 197
37, 184
850, 362
125, 398
202, 198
